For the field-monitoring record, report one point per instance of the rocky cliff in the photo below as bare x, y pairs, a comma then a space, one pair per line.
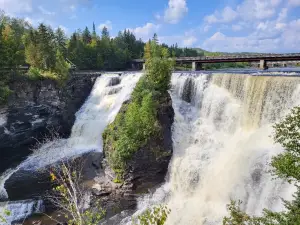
148, 165
35, 108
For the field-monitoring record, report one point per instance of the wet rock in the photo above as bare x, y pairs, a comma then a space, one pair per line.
34, 110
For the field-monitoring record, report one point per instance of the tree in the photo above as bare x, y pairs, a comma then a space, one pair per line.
61, 41
105, 33
86, 36
71, 196
94, 31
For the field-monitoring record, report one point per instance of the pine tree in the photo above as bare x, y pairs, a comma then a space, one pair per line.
86, 36
94, 31
105, 33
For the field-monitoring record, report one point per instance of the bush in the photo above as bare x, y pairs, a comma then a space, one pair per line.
4, 93
156, 216
34, 73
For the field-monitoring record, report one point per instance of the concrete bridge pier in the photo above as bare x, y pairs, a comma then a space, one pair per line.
263, 64
144, 66
196, 66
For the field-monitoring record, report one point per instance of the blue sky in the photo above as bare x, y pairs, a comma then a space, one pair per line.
214, 25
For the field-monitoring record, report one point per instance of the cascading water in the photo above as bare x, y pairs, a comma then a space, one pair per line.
222, 146
103, 104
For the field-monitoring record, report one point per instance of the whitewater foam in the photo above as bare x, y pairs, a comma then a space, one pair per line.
222, 146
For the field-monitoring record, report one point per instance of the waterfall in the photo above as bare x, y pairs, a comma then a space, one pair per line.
101, 107
223, 146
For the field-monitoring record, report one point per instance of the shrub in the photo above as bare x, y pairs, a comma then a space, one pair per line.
4, 93
156, 216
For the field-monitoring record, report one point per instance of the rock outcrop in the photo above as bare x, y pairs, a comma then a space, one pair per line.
149, 164
35, 108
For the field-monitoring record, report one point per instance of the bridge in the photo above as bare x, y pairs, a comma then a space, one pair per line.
197, 62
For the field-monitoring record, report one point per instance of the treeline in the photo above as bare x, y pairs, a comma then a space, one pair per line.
47, 49
51, 53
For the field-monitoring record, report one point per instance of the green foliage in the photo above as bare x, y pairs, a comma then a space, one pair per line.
137, 121
156, 216
4, 93
5, 213
285, 165
287, 133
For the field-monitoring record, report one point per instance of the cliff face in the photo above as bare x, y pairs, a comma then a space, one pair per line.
35, 108
149, 164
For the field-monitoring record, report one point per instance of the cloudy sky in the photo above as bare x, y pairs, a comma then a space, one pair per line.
215, 25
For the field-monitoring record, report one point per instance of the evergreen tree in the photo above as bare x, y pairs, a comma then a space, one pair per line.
61, 41
94, 31
86, 36
105, 33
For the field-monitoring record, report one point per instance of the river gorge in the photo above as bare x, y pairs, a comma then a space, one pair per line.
222, 143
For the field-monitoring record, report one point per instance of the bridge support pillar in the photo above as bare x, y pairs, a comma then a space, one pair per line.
263, 64
144, 66
196, 66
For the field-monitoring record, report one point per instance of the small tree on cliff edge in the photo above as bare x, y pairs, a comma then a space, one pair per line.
71, 195
159, 65
285, 165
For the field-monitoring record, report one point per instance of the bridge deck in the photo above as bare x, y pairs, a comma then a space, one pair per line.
235, 58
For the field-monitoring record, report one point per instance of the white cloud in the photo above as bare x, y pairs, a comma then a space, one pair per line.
280, 26
107, 24
248, 10
225, 16
283, 14
236, 27
206, 28
72, 7
257, 9
262, 26
45, 11
157, 16
269, 36
221, 42
13, 7
145, 32
175, 11
189, 41
65, 29
294, 3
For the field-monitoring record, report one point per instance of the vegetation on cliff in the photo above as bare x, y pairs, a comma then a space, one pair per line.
286, 166
137, 121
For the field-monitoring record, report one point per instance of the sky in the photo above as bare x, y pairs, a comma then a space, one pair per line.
213, 25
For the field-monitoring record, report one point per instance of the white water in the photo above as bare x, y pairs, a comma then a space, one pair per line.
3, 117
20, 210
222, 147
97, 112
